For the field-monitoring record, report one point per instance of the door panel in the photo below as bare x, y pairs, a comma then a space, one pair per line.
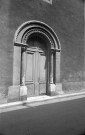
29, 80
42, 73
36, 68
30, 89
36, 82
30, 67
42, 67
42, 88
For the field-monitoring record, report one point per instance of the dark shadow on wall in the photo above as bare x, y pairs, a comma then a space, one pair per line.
82, 133
82, 1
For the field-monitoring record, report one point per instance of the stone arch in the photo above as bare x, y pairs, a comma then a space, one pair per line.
33, 26
22, 34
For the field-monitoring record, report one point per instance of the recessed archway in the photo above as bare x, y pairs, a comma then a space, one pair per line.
21, 39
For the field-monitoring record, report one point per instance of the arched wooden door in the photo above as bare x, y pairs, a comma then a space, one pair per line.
36, 66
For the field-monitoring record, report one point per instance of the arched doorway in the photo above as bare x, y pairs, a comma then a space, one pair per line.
35, 63
37, 58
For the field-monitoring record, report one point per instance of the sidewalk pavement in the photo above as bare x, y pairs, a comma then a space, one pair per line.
39, 100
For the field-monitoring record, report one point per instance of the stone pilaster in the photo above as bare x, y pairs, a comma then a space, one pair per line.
58, 85
51, 81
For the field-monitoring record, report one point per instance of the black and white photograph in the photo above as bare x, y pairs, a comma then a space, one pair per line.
42, 67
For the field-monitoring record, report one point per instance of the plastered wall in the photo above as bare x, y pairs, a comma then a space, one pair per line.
65, 17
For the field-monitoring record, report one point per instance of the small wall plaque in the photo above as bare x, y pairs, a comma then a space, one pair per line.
48, 1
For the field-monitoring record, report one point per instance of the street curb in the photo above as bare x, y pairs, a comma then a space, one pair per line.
40, 100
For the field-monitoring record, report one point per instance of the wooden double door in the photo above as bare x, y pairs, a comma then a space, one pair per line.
36, 70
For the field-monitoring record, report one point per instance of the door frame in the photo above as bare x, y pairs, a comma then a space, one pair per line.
20, 41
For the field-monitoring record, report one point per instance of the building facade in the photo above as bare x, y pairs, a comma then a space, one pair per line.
41, 47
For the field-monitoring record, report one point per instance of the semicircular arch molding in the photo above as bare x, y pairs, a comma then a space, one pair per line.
30, 27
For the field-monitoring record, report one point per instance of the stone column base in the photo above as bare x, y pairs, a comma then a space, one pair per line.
23, 93
58, 88
55, 89
17, 93
13, 93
